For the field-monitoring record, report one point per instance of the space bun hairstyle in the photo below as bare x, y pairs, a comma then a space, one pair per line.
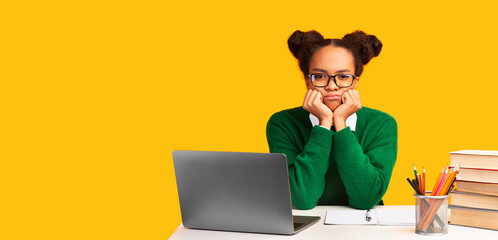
363, 47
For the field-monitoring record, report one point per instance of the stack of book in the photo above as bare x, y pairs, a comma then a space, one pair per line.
474, 202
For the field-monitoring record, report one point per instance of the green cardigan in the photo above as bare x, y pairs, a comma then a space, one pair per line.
335, 168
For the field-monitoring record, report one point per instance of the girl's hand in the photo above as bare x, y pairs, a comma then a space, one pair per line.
350, 104
313, 103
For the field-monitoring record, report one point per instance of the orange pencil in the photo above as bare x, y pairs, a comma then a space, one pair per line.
437, 182
448, 182
423, 181
443, 178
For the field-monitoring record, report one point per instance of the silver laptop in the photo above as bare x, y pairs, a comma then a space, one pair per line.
233, 191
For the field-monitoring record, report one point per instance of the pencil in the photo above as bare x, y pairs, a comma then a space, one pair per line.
419, 181
446, 184
423, 181
413, 186
452, 180
414, 181
415, 171
457, 169
436, 184
443, 178
451, 187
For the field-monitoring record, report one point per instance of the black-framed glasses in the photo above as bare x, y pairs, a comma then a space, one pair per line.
341, 80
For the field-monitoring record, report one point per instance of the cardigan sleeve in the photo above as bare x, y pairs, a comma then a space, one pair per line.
366, 173
306, 169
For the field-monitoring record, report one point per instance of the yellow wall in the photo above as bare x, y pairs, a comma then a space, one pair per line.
96, 96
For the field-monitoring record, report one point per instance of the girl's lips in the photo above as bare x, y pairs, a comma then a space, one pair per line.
332, 97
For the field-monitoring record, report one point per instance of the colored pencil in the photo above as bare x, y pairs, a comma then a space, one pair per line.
415, 171
452, 186
453, 183
413, 186
436, 184
446, 184
415, 183
423, 181
443, 178
419, 181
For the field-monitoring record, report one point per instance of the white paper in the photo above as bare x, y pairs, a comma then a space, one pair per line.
350, 216
392, 216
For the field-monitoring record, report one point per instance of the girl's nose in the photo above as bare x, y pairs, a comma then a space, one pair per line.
332, 86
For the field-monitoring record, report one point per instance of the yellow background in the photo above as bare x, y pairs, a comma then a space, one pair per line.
95, 95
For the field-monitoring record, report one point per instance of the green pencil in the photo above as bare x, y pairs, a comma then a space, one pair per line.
415, 172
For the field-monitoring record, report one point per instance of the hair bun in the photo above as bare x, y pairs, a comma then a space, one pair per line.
367, 46
299, 39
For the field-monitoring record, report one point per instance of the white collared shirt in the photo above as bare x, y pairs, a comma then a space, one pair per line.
350, 121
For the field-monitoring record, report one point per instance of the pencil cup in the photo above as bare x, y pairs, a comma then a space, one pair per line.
431, 213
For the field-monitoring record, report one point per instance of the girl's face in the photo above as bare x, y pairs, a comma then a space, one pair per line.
332, 60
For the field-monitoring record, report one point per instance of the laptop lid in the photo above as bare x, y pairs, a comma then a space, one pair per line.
233, 191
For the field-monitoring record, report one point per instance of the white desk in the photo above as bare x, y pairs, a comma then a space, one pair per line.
321, 231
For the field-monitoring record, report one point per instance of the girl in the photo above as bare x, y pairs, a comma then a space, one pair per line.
338, 152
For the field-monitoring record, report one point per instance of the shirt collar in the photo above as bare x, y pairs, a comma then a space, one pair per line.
350, 121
